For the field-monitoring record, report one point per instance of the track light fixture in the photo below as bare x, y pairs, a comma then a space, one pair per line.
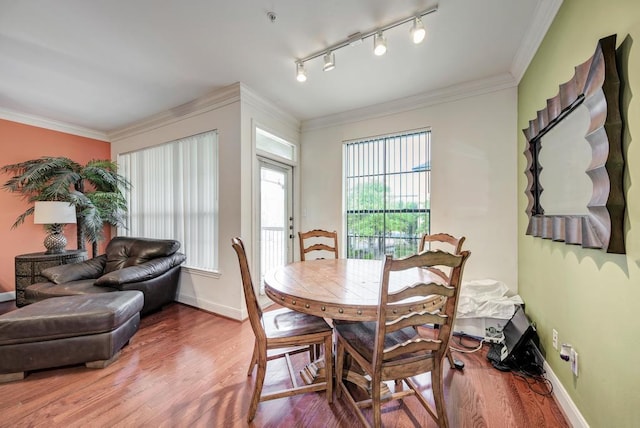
301, 74
417, 32
379, 44
329, 61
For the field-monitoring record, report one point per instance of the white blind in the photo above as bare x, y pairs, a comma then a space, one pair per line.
174, 195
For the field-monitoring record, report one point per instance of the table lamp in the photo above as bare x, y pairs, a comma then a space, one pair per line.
54, 214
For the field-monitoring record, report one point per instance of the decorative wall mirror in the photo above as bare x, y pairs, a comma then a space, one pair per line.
574, 157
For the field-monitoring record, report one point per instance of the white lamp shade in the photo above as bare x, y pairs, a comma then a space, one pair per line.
53, 212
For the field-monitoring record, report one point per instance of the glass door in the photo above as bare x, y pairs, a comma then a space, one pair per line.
276, 216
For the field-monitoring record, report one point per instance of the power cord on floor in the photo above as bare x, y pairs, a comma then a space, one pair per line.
534, 379
467, 349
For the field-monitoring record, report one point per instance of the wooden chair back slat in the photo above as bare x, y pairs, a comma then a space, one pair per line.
421, 289
411, 347
437, 238
415, 318
411, 306
318, 247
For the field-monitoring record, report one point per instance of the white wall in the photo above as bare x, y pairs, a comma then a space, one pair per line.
474, 162
232, 112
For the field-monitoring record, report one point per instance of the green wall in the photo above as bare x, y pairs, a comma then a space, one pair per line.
591, 298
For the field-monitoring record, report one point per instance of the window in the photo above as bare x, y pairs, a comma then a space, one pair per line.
174, 195
274, 147
387, 192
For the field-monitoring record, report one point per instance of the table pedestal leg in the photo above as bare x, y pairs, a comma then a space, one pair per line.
358, 377
313, 372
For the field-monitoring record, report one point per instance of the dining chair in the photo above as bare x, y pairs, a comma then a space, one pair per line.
391, 348
319, 239
442, 241
282, 329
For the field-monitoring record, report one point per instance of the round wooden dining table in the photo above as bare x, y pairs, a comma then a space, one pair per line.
342, 289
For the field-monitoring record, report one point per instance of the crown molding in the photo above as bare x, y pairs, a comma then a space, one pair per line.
252, 98
543, 16
212, 101
52, 125
414, 102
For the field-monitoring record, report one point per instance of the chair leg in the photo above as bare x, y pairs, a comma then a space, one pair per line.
339, 368
375, 401
453, 363
254, 358
257, 390
328, 364
438, 395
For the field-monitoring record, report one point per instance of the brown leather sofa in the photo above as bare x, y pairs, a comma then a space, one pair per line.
148, 265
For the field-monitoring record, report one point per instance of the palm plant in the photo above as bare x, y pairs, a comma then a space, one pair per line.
95, 189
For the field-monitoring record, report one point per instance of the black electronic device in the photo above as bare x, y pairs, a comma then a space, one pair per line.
517, 352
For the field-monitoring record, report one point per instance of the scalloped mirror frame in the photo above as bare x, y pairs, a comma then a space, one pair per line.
596, 84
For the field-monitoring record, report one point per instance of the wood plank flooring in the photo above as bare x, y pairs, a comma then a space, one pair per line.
187, 368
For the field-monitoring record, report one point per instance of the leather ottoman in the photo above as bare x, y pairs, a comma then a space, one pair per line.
62, 331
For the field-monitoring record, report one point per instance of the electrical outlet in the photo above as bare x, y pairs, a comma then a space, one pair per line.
495, 338
555, 339
574, 362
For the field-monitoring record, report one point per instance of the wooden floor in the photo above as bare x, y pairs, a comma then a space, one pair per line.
187, 368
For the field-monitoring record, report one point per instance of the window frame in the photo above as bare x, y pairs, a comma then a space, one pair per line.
347, 210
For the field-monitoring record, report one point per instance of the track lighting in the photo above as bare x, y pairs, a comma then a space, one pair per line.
301, 74
379, 44
329, 61
417, 32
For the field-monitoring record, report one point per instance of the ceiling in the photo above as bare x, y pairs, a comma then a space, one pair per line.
102, 65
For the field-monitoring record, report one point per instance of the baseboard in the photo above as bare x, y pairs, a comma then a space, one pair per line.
571, 411
8, 295
208, 306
